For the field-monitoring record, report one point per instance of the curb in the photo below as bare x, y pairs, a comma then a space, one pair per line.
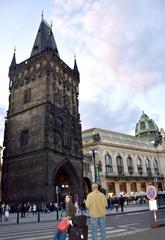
55, 220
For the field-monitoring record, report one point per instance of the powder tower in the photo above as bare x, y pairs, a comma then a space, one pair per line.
42, 140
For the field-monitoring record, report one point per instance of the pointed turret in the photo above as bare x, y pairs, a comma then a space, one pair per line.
75, 66
146, 128
13, 62
44, 39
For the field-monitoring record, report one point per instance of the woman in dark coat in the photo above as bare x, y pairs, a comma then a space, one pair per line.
70, 208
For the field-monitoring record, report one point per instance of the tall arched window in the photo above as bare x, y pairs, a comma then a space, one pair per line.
119, 162
156, 167
108, 164
130, 165
139, 166
148, 167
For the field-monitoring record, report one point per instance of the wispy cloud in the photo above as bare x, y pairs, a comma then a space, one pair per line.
120, 48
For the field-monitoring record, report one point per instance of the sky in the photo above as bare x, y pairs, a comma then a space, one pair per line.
120, 52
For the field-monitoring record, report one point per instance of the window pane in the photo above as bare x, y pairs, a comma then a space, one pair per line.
142, 126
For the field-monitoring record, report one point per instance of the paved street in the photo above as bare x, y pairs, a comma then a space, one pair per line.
44, 231
128, 226
132, 226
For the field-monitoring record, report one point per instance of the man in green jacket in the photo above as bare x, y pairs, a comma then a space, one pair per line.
96, 203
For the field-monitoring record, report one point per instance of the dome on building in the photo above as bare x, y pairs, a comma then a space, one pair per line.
146, 128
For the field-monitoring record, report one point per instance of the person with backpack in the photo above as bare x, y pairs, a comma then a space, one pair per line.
70, 214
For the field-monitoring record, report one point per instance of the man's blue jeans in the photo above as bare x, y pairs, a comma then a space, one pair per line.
95, 222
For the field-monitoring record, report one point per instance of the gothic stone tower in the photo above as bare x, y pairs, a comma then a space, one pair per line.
42, 142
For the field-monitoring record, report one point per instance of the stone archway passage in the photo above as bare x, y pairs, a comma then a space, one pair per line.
63, 182
68, 181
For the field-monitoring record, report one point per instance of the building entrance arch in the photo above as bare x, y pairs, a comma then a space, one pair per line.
67, 181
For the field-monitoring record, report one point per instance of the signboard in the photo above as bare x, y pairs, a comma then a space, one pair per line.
153, 205
151, 192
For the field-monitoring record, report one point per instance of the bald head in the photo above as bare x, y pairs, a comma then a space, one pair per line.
94, 186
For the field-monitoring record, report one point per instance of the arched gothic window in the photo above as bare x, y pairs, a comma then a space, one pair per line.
130, 165
139, 166
119, 162
148, 167
156, 167
108, 164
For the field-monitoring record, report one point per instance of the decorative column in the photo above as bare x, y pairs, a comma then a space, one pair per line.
117, 189
128, 187
135, 166
125, 166
138, 185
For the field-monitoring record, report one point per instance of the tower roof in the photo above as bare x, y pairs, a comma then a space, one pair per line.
146, 128
44, 39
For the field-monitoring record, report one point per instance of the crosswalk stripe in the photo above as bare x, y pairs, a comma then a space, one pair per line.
32, 234
45, 231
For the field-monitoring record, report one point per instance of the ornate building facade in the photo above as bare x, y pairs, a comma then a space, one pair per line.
123, 163
42, 142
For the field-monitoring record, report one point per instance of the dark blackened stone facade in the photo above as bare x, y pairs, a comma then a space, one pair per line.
42, 141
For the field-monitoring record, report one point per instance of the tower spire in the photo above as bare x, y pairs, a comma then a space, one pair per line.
75, 65
42, 15
44, 39
13, 62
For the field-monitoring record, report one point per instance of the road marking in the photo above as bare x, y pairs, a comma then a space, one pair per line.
129, 225
135, 213
130, 232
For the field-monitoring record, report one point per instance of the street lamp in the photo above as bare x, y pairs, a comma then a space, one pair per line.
64, 188
93, 154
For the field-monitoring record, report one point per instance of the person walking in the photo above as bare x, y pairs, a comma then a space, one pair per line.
1, 212
70, 208
34, 209
96, 203
70, 214
116, 204
121, 200
6, 216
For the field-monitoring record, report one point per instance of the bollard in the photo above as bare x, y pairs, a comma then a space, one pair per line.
17, 217
38, 215
57, 213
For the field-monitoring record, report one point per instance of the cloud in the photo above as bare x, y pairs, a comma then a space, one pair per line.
125, 37
119, 46
120, 51
113, 119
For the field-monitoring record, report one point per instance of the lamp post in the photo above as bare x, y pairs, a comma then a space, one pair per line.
93, 154
57, 199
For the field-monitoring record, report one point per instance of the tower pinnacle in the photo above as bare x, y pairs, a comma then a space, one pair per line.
13, 62
75, 65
